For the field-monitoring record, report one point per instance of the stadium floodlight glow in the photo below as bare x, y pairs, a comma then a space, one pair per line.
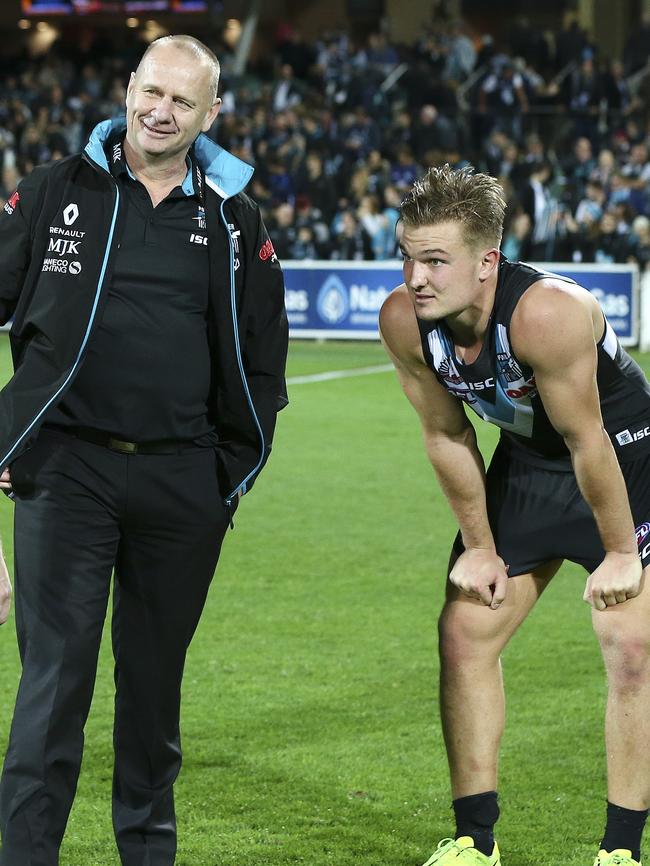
24, 24
132, 22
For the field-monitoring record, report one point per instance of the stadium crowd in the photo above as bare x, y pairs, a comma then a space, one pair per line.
338, 131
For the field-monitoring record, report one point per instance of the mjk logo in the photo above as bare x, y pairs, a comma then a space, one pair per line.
63, 247
70, 214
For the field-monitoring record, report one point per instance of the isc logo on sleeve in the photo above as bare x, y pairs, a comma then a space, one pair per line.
199, 239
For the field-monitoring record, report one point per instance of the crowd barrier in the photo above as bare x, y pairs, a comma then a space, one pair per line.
341, 300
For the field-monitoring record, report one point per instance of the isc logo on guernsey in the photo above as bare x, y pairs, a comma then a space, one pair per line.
626, 438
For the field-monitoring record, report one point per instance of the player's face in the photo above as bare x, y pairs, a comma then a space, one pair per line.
442, 272
168, 103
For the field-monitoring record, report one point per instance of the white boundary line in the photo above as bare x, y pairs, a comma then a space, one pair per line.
339, 374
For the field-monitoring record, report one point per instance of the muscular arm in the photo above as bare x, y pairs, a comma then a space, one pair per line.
555, 329
450, 443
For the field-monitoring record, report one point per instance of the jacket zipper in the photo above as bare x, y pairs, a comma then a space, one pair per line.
241, 487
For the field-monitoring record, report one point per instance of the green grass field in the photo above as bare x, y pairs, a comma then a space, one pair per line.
310, 724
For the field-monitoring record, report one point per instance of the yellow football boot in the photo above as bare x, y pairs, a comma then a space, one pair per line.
461, 852
618, 857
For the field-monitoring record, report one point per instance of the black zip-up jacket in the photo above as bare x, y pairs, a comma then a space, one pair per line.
58, 235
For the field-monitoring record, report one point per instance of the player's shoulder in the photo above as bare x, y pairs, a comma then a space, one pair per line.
396, 306
548, 302
398, 325
552, 315
397, 316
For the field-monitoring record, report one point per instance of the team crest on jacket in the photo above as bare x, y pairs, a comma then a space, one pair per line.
268, 252
12, 202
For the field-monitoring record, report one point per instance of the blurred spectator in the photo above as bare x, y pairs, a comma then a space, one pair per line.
305, 245
405, 170
637, 176
352, 241
541, 208
516, 237
584, 92
610, 246
591, 208
374, 221
283, 230
503, 100
313, 185
433, 133
640, 248
381, 54
617, 93
287, 93
461, 54
578, 169
605, 168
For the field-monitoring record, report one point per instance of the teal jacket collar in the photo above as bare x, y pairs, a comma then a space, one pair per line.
224, 173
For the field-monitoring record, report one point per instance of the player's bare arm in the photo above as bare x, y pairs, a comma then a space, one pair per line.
555, 330
450, 443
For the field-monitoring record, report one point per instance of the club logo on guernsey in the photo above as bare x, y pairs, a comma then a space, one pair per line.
504, 398
448, 371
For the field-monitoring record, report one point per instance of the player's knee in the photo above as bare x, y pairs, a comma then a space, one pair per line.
627, 659
462, 640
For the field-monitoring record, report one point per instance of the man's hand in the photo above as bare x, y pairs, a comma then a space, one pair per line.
5, 479
482, 574
617, 578
5, 591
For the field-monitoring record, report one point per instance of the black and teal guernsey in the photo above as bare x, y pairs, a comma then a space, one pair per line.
501, 389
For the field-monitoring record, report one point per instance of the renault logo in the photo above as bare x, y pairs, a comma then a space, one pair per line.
70, 214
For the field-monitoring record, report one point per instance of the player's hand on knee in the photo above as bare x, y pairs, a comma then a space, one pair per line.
5, 591
5, 479
481, 573
617, 579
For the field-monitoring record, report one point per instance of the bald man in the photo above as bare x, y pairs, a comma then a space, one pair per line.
149, 341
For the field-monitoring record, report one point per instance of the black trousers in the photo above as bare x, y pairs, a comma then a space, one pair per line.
82, 511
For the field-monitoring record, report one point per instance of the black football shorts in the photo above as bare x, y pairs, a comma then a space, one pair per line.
538, 515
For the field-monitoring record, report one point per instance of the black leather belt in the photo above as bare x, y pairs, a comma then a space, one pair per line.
87, 434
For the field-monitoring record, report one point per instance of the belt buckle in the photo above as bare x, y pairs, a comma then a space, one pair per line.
123, 447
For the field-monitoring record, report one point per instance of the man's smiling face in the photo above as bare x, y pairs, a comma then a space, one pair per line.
169, 102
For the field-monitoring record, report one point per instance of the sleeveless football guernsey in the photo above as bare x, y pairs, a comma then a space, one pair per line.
501, 389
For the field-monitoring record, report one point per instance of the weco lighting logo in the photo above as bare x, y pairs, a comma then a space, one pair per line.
333, 303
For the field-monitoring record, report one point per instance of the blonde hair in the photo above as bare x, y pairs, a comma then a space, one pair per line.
198, 50
445, 194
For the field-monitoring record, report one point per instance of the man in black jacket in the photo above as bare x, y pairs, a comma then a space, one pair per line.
149, 340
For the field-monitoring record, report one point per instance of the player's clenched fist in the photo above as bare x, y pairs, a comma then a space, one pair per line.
616, 579
482, 574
